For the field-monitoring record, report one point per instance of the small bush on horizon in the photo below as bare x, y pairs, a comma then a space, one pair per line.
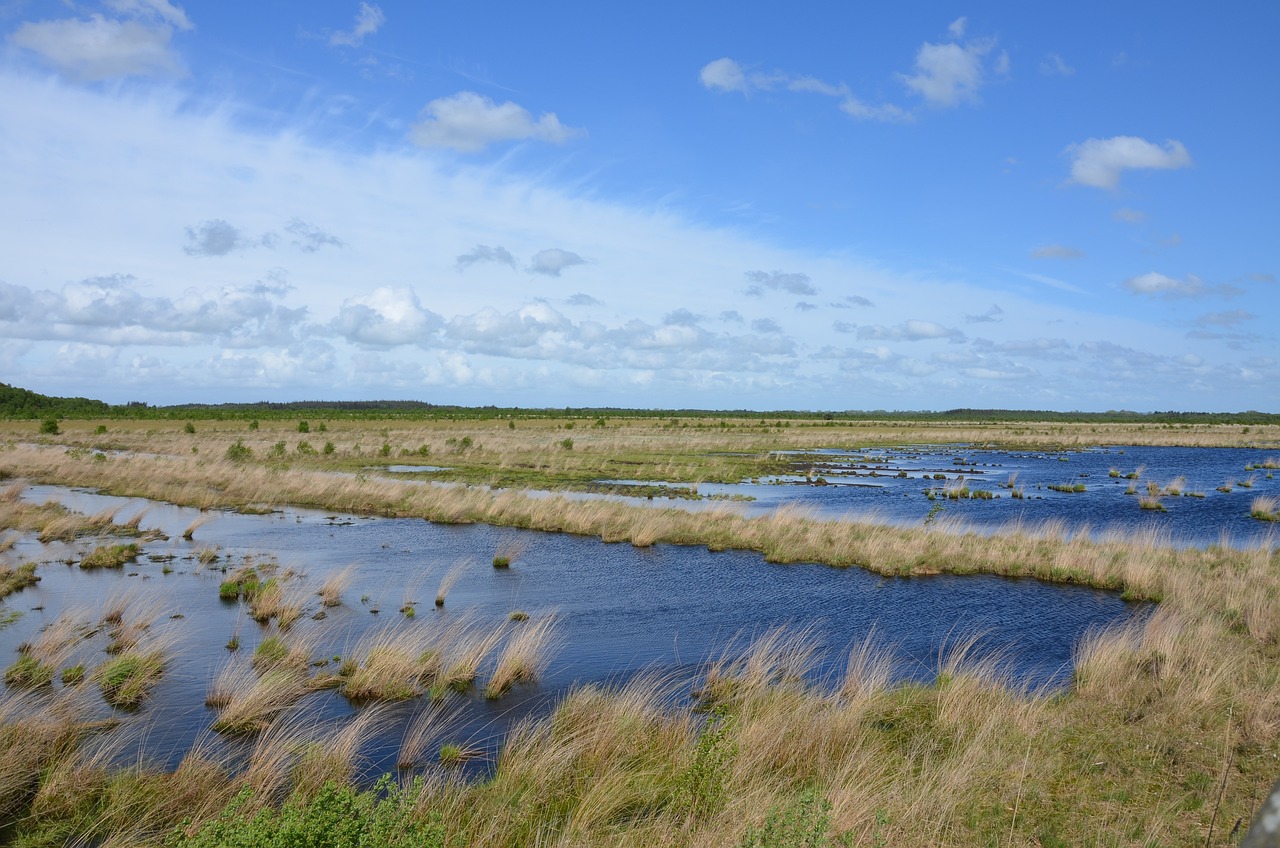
188, 427
253, 425
49, 427
304, 427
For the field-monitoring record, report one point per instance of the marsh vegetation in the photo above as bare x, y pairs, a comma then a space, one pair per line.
1160, 724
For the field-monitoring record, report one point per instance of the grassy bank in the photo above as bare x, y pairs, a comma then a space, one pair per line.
1168, 732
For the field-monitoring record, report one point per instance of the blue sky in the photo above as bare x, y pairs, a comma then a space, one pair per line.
827, 206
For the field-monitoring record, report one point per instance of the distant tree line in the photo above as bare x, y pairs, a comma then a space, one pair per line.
17, 403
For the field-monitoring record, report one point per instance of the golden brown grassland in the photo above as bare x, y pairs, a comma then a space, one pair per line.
1168, 735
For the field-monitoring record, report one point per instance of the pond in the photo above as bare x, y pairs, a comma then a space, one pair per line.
1204, 495
617, 610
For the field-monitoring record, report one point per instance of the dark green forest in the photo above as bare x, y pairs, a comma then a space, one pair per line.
18, 403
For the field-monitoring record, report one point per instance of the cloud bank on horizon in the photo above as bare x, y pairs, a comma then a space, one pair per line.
382, 200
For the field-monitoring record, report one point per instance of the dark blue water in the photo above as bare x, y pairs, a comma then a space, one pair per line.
866, 484
619, 609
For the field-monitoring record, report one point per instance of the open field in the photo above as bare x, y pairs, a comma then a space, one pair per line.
1169, 735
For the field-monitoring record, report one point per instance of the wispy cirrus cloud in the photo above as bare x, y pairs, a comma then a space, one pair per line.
369, 20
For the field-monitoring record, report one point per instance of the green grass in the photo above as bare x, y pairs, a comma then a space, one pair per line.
126, 680
111, 556
16, 579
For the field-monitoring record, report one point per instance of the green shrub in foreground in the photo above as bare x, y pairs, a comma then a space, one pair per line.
337, 817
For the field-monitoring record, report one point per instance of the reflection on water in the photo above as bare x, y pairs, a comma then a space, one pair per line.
618, 609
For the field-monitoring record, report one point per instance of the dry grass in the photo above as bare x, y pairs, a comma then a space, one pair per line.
451, 578
331, 590
248, 703
524, 656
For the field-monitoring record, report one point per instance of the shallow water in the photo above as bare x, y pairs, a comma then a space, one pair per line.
890, 485
618, 609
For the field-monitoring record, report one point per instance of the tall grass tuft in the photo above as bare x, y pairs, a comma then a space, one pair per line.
450, 579
523, 658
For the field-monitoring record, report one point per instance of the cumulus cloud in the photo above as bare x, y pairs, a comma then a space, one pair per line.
803, 306
485, 253
844, 327
1054, 65
681, 316
469, 122
216, 237
387, 317
1159, 285
948, 74
368, 20
793, 283
732, 316
910, 331
957, 27
582, 299
113, 310
553, 260
1099, 162
309, 238
1056, 251
102, 48
766, 325
725, 75
991, 315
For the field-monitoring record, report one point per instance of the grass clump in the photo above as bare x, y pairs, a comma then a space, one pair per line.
111, 556
16, 579
523, 657
126, 680
1265, 508
28, 672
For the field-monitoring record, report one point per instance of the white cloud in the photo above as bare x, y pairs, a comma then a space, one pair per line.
553, 260
1099, 162
910, 331
485, 253
309, 238
386, 318
793, 283
1129, 216
723, 75
583, 299
469, 122
727, 75
100, 48
1159, 285
161, 10
957, 27
948, 74
368, 20
1056, 251
990, 316
1055, 65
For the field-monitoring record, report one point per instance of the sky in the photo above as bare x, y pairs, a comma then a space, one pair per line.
746, 205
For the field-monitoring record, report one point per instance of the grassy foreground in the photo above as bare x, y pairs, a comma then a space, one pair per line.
1168, 735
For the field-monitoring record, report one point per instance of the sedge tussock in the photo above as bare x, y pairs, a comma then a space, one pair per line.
523, 657
248, 703
450, 579
331, 590
394, 663
334, 756
423, 731
199, 521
